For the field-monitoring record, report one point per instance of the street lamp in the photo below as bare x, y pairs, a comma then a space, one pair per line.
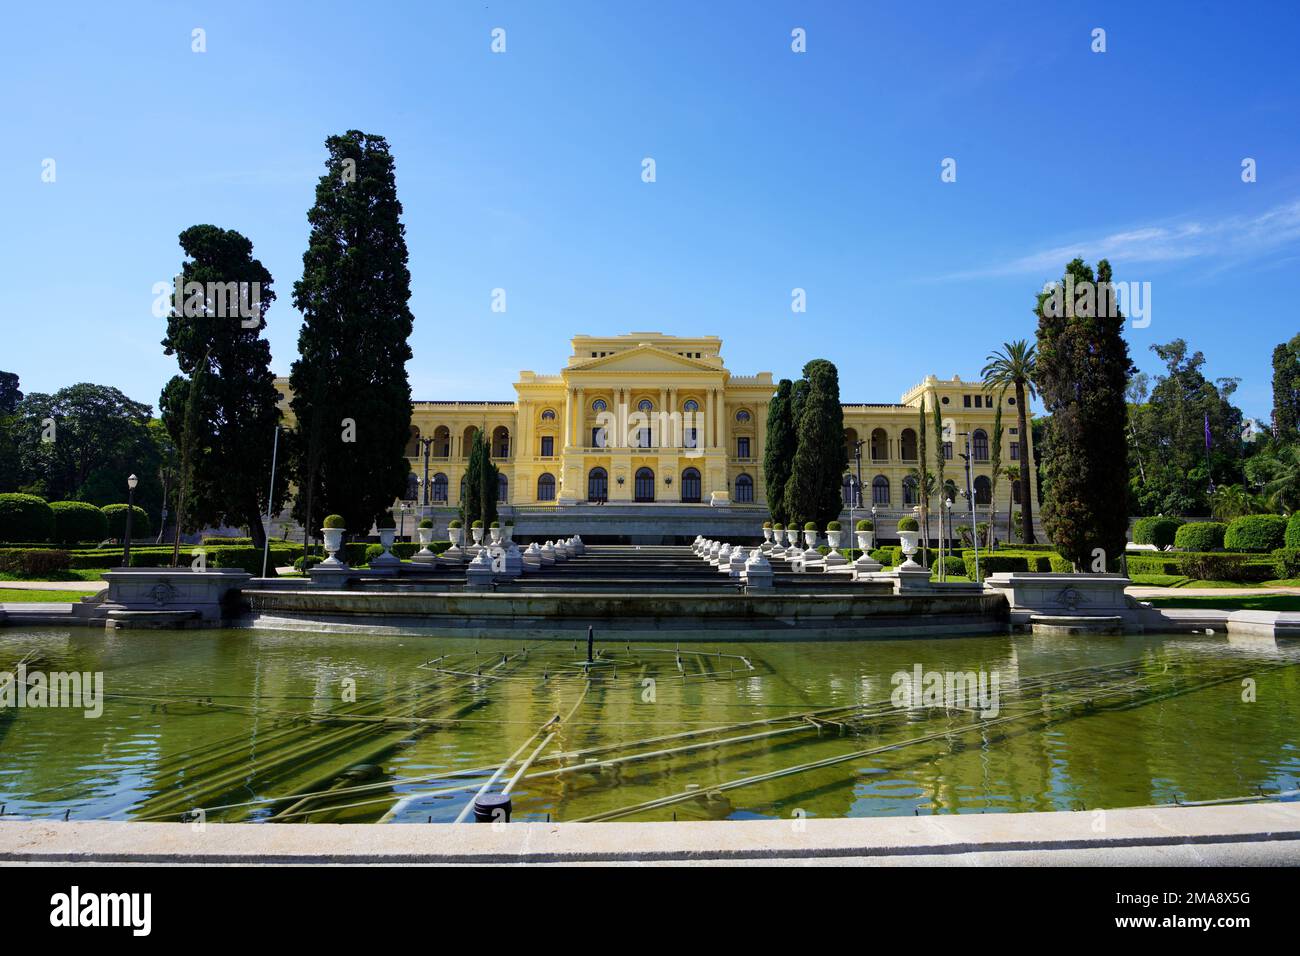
427, 445
945, 538
131, 482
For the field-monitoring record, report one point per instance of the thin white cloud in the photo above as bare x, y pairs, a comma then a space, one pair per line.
1234, 237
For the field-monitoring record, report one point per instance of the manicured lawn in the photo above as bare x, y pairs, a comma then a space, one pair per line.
1259, 602
31, 595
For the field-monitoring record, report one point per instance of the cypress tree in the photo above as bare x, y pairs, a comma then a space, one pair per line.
1286, 391
813, 491
778, 453
471, 507
216, 335
351, 395
1083, 370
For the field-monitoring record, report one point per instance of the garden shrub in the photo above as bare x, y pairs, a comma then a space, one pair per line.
220, 540
993, 563
1286, 563
1061, 565
25, 518
1200, 536
1255, 533
1158, 531
1292, 537
115, 515
1225, 566
34, 562
76, 521
951, 565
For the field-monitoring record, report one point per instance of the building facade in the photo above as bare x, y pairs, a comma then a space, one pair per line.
644, 421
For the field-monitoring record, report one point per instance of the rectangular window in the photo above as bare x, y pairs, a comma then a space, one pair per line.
548, 446
643, 438
947, 451
965, 400
742, 447
598, 437
689, 440
979, 401
1015, 451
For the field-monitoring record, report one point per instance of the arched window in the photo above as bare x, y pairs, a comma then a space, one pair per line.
548, 415
644, 488
412, 487
467, 441
599, 405
744, 489
983, 490
645, 405
879, 445
546, 487
438, 488
880, 490
597, 485
501, 442
413, 443
691, 405
851, 443
847, 485
691, 485
503, 488
910, 493
441, 442
742, 416
907, 444
980, 445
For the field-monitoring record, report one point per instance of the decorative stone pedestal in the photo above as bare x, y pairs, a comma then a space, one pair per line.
163, 597
834, 561
387, 563
424, 555
758, 572
333, 576
478, 575
866, 564
911, 580
1068, 596
736, 566
532, 557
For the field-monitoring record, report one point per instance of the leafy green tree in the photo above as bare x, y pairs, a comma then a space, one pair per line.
236, 413
779, 449
1175, 478
11, 472
1275, 471
10, 395
813, 492
1286, 390
97, 438
351, 395
1082, 372
1014, 367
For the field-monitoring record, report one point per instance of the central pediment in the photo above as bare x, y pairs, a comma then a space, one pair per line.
644, 358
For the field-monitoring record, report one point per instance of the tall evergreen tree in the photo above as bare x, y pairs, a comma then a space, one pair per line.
778, 451
1083, 370
813, 491
471, 506
1286, 391
995, 470
940, 483
218, 331
924, 487
351, 395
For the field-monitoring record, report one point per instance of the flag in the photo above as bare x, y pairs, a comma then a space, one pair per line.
1208, 442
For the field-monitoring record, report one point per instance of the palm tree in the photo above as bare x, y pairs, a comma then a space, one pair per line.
1015, 367
1231, 501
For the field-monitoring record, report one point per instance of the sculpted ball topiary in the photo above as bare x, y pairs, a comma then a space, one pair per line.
76, 521
25, 518
1255, 533
1200, 536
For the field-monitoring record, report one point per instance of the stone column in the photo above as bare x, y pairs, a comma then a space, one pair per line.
568, 417
580, 417
707, 437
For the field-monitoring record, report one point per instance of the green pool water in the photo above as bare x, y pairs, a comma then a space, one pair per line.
242, 723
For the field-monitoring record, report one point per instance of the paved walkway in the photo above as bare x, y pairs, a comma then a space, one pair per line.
1258, 834
1142, 592
90, 587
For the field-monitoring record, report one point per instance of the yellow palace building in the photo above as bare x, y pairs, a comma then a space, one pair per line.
644, 431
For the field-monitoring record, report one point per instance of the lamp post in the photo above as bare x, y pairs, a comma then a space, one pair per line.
944, 535
131, 482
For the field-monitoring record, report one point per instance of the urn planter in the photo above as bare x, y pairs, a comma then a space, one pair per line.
333, 538
810, 539
833, 538
908, 540
866, 540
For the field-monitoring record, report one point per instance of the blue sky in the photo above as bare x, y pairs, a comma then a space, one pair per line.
775, 171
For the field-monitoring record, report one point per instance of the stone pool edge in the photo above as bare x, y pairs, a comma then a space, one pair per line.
1261, 834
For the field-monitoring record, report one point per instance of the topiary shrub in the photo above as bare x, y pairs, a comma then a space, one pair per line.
1158, 531
34, 562
883, 555
994, 563
767, 526
908, 523
1061, 565
385, 521
373, 551
810, 526
1292, 538
307, 562
455, 523
951, 565
78, 521
25, 518
1200, 536
833, 526
864, 524
495, 524
334, 521
1255, 533
115, 515
1213, 567
778, 527
478, 523
1286, 563
426, 523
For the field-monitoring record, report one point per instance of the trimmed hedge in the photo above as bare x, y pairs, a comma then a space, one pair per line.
1158, 531
1292, 538
78, 521
25, 518
1208, 566
1255, 533
141, 526
951, 565
1286, 563
33, 562
1200, 536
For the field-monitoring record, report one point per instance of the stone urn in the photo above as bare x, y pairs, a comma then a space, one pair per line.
496, 534
866, 540
810, 539
833, 538
453, 535
909, 541
791, 537
478, 535
424, 555
507, 533
333, 538
767, 535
